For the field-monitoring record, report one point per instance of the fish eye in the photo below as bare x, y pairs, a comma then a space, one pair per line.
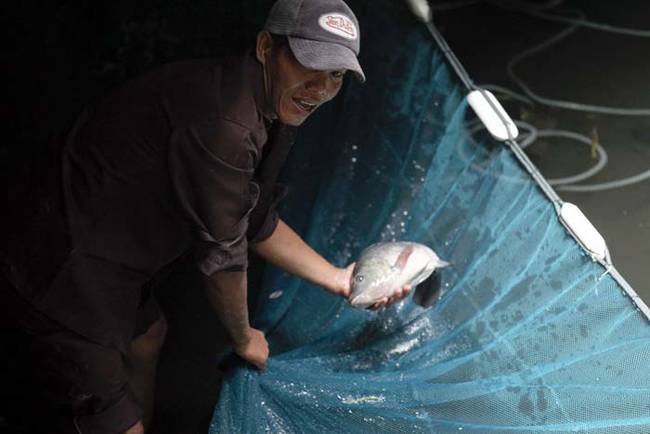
360, 278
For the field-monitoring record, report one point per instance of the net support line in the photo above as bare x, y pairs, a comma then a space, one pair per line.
535, 173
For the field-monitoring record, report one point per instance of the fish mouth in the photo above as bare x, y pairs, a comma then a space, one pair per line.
359, 301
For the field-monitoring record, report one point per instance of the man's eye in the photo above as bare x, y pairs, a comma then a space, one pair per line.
337, 75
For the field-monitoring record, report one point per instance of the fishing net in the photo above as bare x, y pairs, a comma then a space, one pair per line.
530, 335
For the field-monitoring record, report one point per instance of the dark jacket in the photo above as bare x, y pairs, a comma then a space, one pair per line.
178, 160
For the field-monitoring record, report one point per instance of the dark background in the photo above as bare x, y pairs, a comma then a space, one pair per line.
63, 55
589, 66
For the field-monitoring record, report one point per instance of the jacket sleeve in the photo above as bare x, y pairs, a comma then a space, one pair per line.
264, 218
211, 167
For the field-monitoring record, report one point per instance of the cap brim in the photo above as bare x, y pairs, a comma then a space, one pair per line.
325, 56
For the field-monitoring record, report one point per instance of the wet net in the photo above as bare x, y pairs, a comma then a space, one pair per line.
530, 335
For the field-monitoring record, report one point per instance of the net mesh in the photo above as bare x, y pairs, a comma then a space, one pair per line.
529, 336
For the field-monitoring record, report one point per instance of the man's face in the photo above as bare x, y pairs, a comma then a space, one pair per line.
294, 91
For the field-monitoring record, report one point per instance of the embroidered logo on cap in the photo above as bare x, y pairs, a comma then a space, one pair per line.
338, 24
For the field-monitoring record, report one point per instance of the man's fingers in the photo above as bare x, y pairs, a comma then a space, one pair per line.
381, 303
259, 361
399, 294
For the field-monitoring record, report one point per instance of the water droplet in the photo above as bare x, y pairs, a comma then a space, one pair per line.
353, 159
405, 213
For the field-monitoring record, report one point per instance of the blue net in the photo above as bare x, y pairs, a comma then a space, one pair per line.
530, 334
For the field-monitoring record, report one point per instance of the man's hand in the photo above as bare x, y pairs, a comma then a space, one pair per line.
255, 349
387, 301
227, 294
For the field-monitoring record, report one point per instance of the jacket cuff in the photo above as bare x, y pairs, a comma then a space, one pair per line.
272, 217
212, 257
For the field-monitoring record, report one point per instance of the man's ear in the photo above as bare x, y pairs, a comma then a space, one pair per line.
263, 46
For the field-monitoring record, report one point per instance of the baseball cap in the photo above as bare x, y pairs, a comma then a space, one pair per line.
323, 34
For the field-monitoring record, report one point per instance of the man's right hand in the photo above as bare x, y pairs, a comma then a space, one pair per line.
255, 349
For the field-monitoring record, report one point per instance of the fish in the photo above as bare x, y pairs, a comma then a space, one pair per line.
382, 269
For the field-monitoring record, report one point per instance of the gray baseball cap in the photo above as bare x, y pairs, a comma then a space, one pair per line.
322, 34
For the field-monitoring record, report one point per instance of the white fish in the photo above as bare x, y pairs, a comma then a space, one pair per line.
384, 268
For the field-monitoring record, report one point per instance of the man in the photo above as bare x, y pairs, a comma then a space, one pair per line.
176, 162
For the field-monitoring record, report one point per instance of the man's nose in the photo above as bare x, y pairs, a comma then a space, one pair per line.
318, 85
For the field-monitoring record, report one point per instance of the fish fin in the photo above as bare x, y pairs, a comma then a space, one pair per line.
428, 292
403, 257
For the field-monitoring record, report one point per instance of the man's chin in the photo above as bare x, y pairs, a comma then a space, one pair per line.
294, 121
